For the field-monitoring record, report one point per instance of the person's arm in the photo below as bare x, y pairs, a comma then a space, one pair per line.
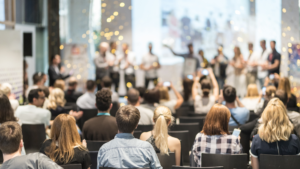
195, 87
153, 159
221, 98
254, 163
239, 103
100, 63
273, 66
215, 83
178, 153
174, 53
178, 96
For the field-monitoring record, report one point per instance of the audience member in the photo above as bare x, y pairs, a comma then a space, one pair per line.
187, 91
252, 98
56, 71
103, 126
159, 138
88, 99
274, 134
125, 151
37, 82
56, 102
106, 83
203, 102
71, 95
284, 84
59, 83
215, 138
166, 101
45, 78
219, 64
6, 89
134, 100
64, 145
33, 113
47, 93
6, 111
151, 98
11, 144
142, 91
239, 114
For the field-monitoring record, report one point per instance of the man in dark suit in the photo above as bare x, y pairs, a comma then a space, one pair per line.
274, 60
55, 71
71, 95
219, 64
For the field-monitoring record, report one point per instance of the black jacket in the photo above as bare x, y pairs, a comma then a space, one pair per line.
53, 76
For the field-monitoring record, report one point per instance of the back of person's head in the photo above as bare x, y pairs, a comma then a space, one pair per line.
6, 111
229, 94
284, 84
282, 96
106, 82
152, 96
34, 93
164, 93
141, 90
270, 91
90, 85
72, 82
252, 91
127, 118
64, 133
56, 98
187, 89
45, 90
6, 88
162, 118
37, 77
10, 137
59, 83
205, 87
216, 121
103, 99
133, 96
276, 125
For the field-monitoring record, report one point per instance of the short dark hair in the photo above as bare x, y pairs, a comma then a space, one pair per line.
6, 111
152, 96
282, 96
72, 83
229, 94
45, 90
127, 118
190, 45
133, 96
103, 99
273, 42
111, 43
90, 84
10, 137
141, 90
106, 82
37, 77
205, 87
263, 41
34, 93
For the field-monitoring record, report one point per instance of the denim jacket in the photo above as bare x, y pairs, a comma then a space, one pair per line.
125, 151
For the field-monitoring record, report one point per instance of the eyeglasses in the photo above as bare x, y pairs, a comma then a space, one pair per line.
42, 98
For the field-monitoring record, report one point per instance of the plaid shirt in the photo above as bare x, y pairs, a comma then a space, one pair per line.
216, 144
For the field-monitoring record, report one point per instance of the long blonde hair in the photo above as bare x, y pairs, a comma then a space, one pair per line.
162, 117
252, 91
164, 94
284, 84
65, 134
56, 98
275, 125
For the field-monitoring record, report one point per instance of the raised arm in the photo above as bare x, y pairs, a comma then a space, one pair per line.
215, 84
195, 87
178, 96
239, 103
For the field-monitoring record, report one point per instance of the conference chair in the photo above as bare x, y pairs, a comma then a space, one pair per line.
182, 111
137, 134
228, 161
33, 137
245, 142
183, 136
93, 155
197, 115
1, 157
166, 161
231, 128
144, 128
71, 166
67, 109
94, 145
252, 116
193, 129
186, 167
279, 161
199, 120
87, 114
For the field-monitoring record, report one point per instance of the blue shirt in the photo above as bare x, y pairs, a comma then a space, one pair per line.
241, 114
125, 151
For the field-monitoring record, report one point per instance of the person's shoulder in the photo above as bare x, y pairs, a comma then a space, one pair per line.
293, 137
174, 140
43, 110
256, 139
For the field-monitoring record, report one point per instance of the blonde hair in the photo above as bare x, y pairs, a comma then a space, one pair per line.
59, 84
6, 88
162, 117
284, 84
164, 93
275, 125
56, 98
252, 91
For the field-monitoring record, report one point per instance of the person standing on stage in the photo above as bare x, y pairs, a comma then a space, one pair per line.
274, 60
127, 63
114, 65
150, 64
101, 64
262, 60
251, 75
219, 64
202, 59
56, 71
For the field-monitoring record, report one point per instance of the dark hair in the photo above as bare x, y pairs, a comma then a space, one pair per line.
53, 57
190, 45
205, 87
263, 41
103, 99
127, 118
273, 42
45, 90
106, 82
133, 96
10, 137
250, 43
187, 88
34, 93
90, 85
111, 43
37, 77
72, 83
142, 91
229, 94
282, 96
6, 111
152, 96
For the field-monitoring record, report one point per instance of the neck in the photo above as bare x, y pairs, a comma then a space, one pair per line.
127, 133
90, 91
7, 157
107, 111
32, 104
230, 105
137, 104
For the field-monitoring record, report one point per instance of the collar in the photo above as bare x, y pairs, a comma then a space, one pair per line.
124, 135
103, 114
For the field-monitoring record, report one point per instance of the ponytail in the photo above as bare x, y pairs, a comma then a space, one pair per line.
161, 134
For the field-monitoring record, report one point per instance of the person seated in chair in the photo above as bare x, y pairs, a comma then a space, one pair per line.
87, 100
125, 151
106, 83
71, 95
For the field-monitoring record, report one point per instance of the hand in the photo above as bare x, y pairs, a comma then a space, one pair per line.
221, 98
76, 114
84, 143
210, 71
62, 69
213, 61
231, 63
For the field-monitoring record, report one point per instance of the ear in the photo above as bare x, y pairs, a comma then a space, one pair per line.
21, 143
111, 105
136, 126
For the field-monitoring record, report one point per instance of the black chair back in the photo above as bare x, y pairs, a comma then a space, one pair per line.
196, 115
185, 167
93, 155
94, 145
1, 157
33, 136
71, 166
183, 111
67, 109
245, 142
166, 161
228, 161
183, 136
144, 128
114, 109
87, 114
279, 161
199, 120
137, 134
231, 128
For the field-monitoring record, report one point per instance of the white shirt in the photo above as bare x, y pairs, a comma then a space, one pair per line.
111, 57
14, 104
202, 105
150, 60
30, 114
262, 59
87, 101
250, 103
146, 115
131, 59
170, 104
253, 57
29, 89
